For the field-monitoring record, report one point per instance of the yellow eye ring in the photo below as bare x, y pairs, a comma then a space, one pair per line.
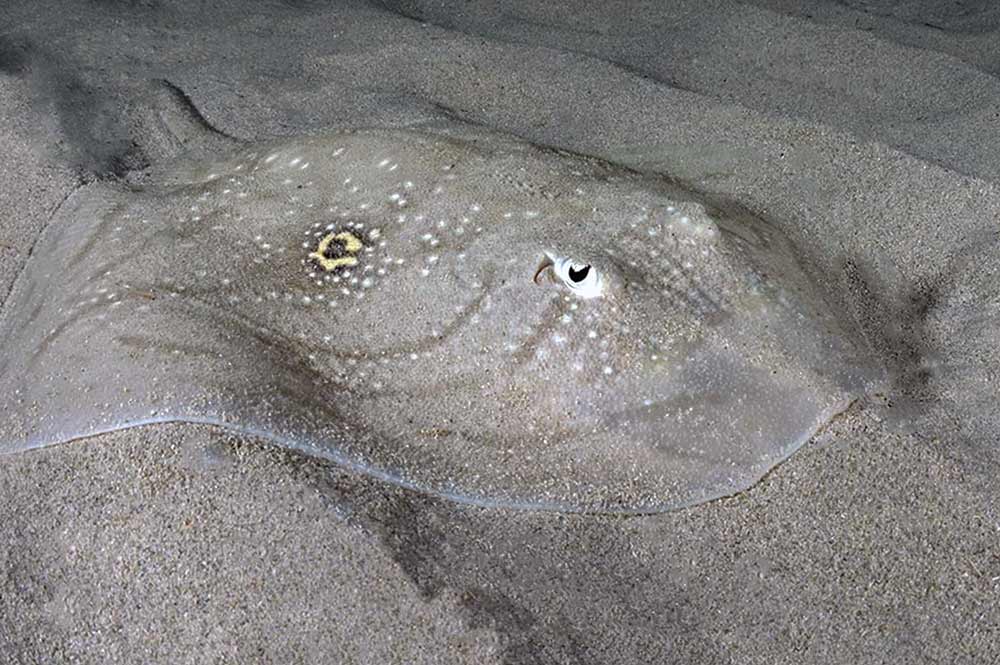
350, 243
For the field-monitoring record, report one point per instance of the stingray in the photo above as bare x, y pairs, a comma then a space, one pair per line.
458, 312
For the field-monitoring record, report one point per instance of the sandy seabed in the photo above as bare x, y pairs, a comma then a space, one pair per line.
864, 130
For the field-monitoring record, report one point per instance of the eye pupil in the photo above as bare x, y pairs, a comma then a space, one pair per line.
578, 274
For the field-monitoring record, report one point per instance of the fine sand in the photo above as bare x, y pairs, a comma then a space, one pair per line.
864, 130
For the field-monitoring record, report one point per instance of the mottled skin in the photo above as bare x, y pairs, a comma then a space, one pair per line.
405, 303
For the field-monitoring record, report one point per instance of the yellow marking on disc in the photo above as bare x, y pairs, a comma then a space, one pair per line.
351, 243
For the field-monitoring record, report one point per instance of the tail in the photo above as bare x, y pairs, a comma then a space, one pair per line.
108, 127
166, 127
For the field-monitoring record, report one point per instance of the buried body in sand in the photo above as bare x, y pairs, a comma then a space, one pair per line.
448, 309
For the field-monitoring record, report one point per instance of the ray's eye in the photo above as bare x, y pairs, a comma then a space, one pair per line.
578, 274
583, 279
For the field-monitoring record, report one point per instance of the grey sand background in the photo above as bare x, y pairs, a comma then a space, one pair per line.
865, 130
